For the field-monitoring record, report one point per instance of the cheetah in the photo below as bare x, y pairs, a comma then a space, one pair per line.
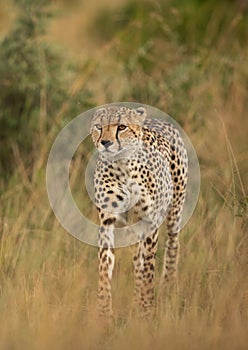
140, 177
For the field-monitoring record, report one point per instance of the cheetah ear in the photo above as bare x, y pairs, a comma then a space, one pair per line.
141, 111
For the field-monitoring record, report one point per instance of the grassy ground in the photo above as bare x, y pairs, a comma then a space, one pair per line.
48, 279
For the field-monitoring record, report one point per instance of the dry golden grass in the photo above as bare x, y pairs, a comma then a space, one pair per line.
48, 285
48, 279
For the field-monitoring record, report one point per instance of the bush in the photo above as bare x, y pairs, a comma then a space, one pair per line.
34, 84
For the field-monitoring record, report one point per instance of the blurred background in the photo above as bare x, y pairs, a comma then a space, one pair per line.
61, 58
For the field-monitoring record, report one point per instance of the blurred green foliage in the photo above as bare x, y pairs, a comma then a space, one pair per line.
167, 48
34, 85
187, 23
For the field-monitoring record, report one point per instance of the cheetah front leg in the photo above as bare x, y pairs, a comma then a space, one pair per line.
144, 273
106, 259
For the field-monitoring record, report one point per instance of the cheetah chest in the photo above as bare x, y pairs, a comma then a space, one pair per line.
137, 187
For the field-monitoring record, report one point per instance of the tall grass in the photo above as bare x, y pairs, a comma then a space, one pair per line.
48, 279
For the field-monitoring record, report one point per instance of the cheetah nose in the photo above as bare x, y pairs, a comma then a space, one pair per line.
106, 143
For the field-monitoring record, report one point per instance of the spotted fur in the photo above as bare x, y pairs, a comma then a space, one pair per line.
140, 176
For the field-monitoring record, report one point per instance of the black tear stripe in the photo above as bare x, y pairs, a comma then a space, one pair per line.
99, 137
117, 138
116, 134
100, 130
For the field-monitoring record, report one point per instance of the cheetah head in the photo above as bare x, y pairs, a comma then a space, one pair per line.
117, 129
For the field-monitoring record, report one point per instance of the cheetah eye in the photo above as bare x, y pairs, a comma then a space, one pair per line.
121, 127
98, 126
